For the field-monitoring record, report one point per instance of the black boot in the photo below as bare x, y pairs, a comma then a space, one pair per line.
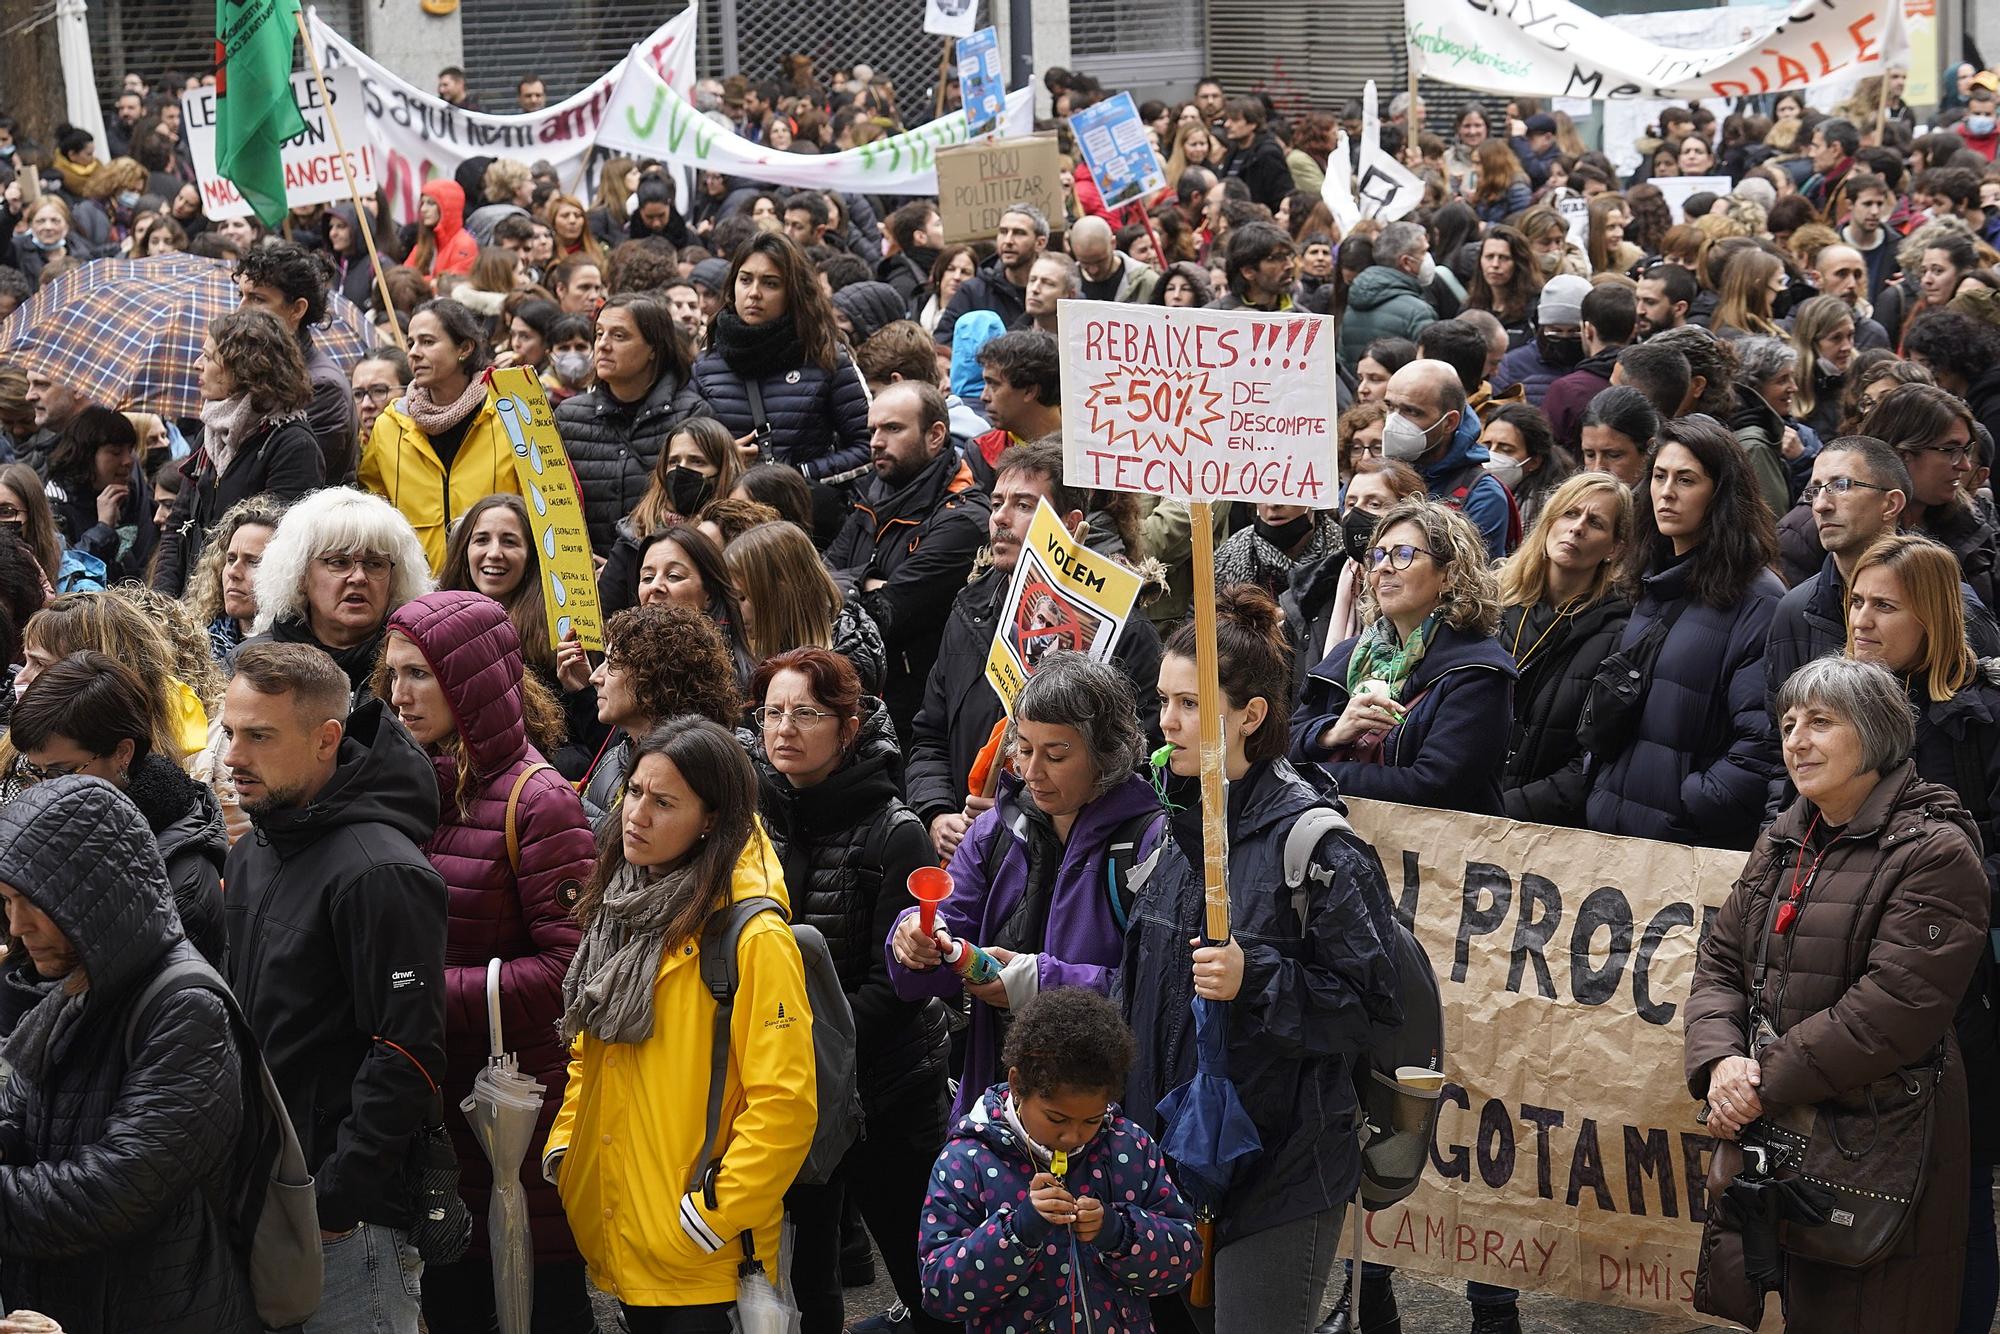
1378, 1307
1503, 1318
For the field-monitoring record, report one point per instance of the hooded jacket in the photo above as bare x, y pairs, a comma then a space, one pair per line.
280, 459
1761, 432
1448, 750
1260, 165
1487, 502
988, 289
492, 912
1864, 984
991, 1262
1546, 775
613, 447
1382, 303
818, 419
111, 1164
456, 247
400, 465
186, 820
336, 948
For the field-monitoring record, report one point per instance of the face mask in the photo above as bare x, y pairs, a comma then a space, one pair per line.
1561, 353
570, 367
6, 150
128, 199
1981, 125
1550, 260
1403, 439
1508, 470
1426, 271
1357, 530
688, 489
1285, 536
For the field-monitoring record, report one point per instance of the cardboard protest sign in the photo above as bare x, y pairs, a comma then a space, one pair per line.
979, 182
1115, 148
1063, 596
1676, 189
982, 82
555, 511
1198, 404
312, 164
1567, 1158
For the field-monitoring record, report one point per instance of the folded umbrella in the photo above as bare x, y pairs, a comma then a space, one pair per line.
502, 1110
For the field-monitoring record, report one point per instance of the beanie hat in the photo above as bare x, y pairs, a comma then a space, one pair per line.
1562, 300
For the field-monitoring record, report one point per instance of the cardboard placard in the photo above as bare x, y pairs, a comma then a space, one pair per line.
313, 172
1063, 596
555, 511
979, 182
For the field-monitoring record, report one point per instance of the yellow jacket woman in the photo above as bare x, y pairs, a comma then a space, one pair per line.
440, 447
624, 1147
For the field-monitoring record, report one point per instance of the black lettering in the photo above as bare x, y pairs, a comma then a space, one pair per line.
1474, 920
1649, 1155
1496, 1144
1582, 84
1458, 1166
1586, 1167
1665, 920
1544, 1119
1531, 933
1589, 983
1695, 1149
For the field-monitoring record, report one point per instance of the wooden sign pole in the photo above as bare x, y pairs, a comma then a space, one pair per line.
1214, 814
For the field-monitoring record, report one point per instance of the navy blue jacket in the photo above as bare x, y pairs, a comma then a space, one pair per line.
1524, 366
1450, 748
1314, 992
819, 421
1486, 504
1698, 767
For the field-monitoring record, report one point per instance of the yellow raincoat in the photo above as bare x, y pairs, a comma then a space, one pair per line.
398, 464
633, 1114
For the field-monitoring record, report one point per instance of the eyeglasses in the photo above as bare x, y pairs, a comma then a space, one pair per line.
340, 565
1840, 486
11, 513
379, 393
1398, 557
42, 773
1956, 453
805, 719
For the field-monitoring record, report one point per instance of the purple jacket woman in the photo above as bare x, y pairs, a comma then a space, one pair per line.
520, 918
1007, 850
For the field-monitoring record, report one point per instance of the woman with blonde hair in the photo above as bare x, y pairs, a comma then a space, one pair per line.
569, 223
1561, 616
616, 183
1823, 335
1743, 300
1608, 249
1548, 237
789, 601
222, 591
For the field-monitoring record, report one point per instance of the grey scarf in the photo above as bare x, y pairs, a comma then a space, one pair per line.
33, 1041
433, 418
608, 991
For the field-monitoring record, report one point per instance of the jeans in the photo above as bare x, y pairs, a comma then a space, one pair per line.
1980, 1292
1274, 1280
710, 1319
374, 1284
458, 1298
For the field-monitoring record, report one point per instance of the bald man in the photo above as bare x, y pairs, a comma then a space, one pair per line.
1841, 270
1431, 429
1108, 273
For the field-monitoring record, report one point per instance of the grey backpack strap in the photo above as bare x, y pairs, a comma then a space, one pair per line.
1306, 833
719, 974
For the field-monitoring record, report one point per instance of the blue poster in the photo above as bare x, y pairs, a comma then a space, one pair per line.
1115, 147
981, 87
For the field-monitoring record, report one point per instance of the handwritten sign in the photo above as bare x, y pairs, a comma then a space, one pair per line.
1198, 404
1115, 147
982, 82
1063, 596
555, 512
312, 165
979, 182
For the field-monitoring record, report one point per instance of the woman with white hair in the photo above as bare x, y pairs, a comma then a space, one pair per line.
340, 562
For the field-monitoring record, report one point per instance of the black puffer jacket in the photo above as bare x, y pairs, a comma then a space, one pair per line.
848, 845
281, 460
110, 1165
613, 447
1545, 779
819, 419
336, 948
186, 820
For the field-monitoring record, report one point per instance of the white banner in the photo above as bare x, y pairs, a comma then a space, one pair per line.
1337, 189
1553, 48
1388, 189
648, 119
423, 138
312, 164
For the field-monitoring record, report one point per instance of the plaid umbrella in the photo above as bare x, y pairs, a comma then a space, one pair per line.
126, 332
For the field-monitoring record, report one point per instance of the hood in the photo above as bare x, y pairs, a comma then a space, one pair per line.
451, 209
914, 500
1378, 285
759, 874
987, 1123
1272, 792
1900, 802
1465, 449
381, 776
1094, 822
180, 811
1753, 411
869, 777
79, 851
973, 330
475, 654
868, 306
355, 247
1315, 584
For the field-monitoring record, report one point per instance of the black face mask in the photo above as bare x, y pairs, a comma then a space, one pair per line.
1357, 530
688, 490
1285, 536
1561, 353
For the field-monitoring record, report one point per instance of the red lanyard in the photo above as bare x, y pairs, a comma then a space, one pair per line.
1788, 911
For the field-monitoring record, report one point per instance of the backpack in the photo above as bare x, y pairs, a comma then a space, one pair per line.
1462, 488
1121, 856
274, 1219
834, 1063
1392, 1159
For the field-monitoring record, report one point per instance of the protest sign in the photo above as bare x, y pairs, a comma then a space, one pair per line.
1388, 189
1337, 188
1567, 1158
1115, 148
1198, 404
1554, 48
982, 82
312, 163
649, 119
1575, 210
951, 18
555, 511
1063, 596
979, 182
1676, 189
423, 138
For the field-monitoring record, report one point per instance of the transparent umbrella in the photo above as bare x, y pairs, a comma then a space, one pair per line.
502, 1109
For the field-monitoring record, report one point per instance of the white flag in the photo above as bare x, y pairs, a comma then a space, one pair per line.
1337, 188
1387, 188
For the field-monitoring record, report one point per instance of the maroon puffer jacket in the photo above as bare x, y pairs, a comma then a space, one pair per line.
524, 921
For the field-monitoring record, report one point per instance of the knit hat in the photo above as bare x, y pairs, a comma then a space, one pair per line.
710, 275
1541, 123
1562, 300
868, 306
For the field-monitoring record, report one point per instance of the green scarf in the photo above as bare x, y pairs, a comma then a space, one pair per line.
1378, 657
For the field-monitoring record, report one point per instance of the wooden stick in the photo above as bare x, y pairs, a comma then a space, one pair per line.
944, 69
1882, 106
1214, 814
347, 175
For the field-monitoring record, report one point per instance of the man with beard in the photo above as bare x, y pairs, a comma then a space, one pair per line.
1666, 292
1001, 282
1557, 346
916, 235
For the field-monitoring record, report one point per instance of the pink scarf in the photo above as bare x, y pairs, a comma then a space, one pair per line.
432, 418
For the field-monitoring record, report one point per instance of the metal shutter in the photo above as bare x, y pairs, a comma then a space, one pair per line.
153, 36
837, 34
1307, 55
1150, 48
568, 45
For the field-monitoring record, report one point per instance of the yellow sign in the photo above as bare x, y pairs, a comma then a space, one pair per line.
1063, 596
555, 511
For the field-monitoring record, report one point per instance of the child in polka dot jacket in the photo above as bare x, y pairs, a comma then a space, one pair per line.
1048, 1210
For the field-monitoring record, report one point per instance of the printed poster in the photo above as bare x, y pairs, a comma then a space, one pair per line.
555, 511
1063, 597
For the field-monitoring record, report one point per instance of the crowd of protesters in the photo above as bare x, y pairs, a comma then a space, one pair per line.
286, 705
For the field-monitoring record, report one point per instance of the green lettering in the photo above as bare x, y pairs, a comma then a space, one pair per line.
652, 118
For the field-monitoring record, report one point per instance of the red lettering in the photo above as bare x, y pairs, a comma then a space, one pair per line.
1864, 45
1466, 1243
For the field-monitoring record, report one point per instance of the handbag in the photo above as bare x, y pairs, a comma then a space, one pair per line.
441, 1225
1611, 704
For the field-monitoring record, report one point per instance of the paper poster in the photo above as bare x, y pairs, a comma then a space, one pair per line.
1198, 404
312, 165
1575, 210
1676, 189
1567, 1158
555, 511
951, 18
1115, 147
979, 182
1063, 597
1388, 189
982, 82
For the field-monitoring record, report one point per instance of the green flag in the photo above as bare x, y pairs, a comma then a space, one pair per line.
254, 109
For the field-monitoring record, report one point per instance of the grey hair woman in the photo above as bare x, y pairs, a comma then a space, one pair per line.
1766, 387
1029, 878
1871, 881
